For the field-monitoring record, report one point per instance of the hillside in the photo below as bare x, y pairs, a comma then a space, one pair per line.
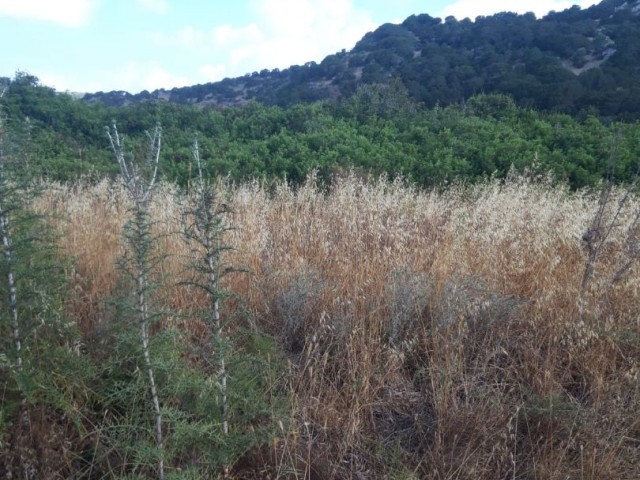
568, 61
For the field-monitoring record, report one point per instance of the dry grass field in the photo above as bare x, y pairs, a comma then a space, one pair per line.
433, 335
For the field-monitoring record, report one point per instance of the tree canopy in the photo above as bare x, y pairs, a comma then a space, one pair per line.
379, 129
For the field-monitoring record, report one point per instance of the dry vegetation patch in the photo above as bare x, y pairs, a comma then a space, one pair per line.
428, 335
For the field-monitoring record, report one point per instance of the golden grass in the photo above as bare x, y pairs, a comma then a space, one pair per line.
429, 335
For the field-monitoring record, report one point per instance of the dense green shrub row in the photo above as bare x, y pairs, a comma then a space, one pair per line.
377, 130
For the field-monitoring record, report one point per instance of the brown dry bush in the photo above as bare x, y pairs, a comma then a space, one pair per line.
429, 335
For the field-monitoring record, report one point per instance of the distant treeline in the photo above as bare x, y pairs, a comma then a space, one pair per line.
377, 130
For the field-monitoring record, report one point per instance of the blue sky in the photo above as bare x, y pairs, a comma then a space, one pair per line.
133, 45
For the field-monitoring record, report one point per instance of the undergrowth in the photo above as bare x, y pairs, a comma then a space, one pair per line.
382, 332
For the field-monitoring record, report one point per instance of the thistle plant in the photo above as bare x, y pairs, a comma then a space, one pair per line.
140, 179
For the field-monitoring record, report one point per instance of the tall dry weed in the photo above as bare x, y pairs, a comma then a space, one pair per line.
432, 334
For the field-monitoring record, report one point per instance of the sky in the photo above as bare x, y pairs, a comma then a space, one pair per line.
135, 45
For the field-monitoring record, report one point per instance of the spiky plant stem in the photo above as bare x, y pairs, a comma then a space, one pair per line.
13, 297
140, 181
209, 230
206, 229
7, 246
140, 240
8, 253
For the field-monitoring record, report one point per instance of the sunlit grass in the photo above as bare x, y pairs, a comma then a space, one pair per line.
428, 333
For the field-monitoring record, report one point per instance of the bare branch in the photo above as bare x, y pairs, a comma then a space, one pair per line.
139, 178
154, 158
117, 145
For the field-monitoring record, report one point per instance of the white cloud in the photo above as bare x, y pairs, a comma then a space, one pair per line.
54, 80
226, 35
136, 76
329, 25
155, 6
283, 33
74, 82
474, 8
69, 13
132, 77
298, 31
212, 40
187, 37
212, 73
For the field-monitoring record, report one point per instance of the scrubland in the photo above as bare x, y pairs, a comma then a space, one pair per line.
443, 334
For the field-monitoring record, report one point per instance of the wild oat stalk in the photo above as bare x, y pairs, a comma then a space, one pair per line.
140, 179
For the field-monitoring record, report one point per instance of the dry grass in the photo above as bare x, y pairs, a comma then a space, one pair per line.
429, 335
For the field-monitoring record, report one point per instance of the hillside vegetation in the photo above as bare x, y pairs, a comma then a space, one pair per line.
377, 130
570, 61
